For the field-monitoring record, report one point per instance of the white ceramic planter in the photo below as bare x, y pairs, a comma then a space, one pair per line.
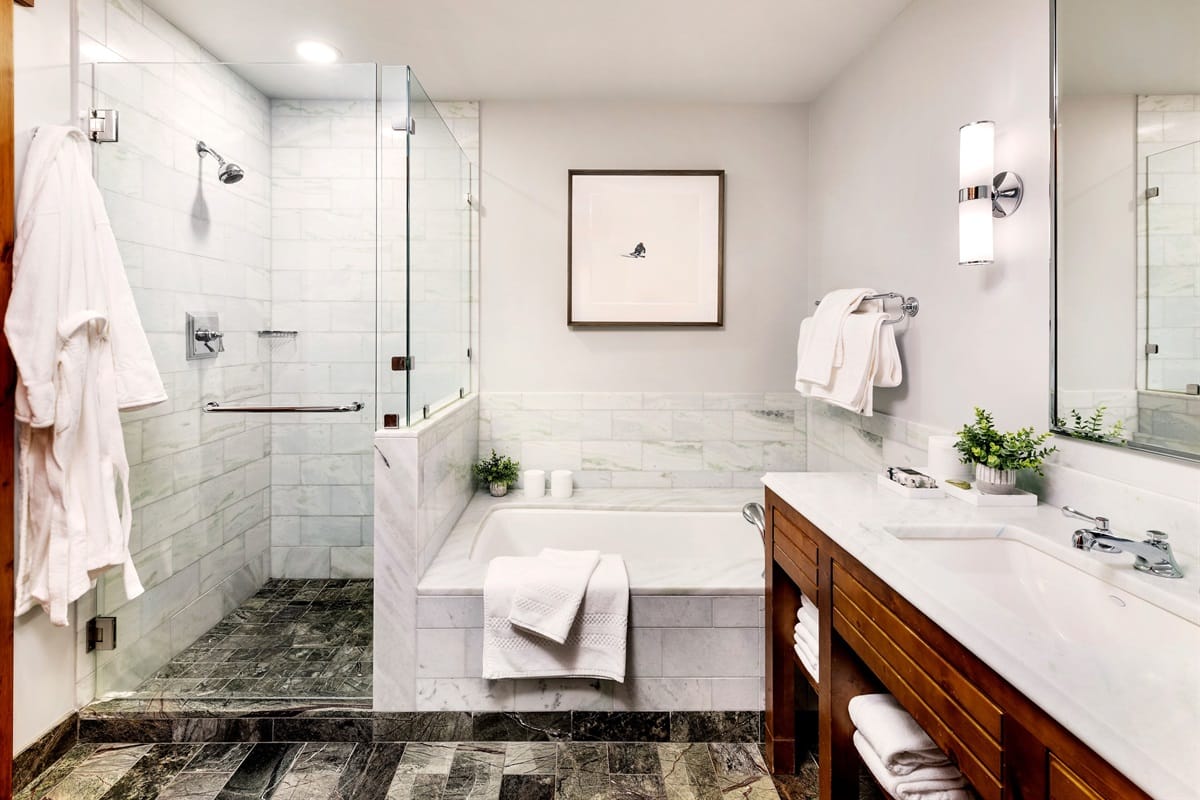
990, 480
498, 489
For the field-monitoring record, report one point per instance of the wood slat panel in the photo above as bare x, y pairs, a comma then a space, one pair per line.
985, 781
952, 682
1066, 785
802, 576
798, 539
986, 748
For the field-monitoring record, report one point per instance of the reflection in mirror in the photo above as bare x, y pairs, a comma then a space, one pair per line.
1127, 271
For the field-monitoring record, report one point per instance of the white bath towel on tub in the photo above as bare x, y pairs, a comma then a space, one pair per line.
551, 591
595, 645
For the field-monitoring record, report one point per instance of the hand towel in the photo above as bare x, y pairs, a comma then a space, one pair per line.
893, 734
547, 599
807, 616
928, 783
818, 349
888, 370
595, 646
850, 384
808, 661
802, 636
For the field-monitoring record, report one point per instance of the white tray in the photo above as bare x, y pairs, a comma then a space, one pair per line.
908, 491
1018, 499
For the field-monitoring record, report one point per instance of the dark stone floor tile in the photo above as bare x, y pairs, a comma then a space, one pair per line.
475, 772
527, 787
621, 726
40, 784
212, 729
583, 757
145, 779
518, 726
118, 729
714, 726
369, 772
634, 758
260, 772
306, 729
220, 757
636, 787
49, 748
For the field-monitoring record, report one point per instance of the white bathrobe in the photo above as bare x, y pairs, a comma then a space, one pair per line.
81, 356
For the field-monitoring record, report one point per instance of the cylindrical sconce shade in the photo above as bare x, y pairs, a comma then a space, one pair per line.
976, 167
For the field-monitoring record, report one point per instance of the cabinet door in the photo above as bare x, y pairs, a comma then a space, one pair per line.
1066, 785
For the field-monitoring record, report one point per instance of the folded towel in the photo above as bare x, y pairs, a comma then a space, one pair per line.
807, 615
803, 636
927, 783
818, 350
808, 661
595, 645
894, 735
548, 598
850, 385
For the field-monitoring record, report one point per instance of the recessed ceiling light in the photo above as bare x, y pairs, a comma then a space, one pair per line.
317, 52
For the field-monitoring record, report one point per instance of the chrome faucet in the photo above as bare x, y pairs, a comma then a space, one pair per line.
1152, 555
756, 515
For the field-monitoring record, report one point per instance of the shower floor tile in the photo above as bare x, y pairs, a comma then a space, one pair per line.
292, 639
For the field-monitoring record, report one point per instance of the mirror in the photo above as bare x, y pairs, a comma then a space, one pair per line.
1127, 223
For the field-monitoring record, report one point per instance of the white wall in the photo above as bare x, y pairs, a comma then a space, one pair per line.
525, 344
884, 183
44, 659
1097, 234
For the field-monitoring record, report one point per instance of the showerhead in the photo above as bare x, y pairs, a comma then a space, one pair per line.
227, 171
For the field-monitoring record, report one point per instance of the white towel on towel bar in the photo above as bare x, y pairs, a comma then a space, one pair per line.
595, 646
548, 597
820, 351
901, 744
927, 783
869, 358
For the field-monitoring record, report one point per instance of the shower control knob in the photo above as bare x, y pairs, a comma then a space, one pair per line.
213, 340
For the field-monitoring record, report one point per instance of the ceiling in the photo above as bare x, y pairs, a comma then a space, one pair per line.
1129, 46
670, 50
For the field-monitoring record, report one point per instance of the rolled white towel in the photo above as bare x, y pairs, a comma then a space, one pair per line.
808, 660
806, 615
548, 597
926, 783
900, 743
801, 634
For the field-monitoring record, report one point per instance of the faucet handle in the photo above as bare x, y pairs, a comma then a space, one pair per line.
1156, 537
1101, 523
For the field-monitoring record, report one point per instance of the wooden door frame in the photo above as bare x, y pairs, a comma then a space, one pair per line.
7, 385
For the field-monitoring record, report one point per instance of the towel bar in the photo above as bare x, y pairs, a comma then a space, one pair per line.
908, 307
213, 408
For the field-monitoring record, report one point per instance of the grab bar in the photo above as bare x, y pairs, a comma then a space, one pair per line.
215, 408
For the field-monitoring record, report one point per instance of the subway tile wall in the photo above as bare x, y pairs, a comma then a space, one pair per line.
648, 439
200, 483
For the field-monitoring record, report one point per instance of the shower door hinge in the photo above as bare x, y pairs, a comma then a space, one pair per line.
468, 354
101, 633
470, 200
1151, 349
405, 125
425, 411
402, 363
461, 393
1152, 192
102, 125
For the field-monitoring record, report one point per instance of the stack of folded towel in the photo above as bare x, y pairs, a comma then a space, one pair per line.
901, 756
806, 638
561, 614
844, 349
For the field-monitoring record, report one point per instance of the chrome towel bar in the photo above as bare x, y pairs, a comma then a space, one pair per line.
909, 306
214, 408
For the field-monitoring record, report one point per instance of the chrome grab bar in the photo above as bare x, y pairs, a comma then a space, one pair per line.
214, 408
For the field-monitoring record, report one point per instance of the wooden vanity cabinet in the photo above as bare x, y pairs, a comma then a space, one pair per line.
873, 640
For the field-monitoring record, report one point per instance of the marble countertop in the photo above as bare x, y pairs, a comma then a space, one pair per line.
453, 573
1124, 706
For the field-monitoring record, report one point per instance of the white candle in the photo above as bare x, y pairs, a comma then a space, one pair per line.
535, 483
560, 483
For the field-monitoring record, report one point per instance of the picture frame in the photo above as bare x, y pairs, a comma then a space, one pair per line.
645, 248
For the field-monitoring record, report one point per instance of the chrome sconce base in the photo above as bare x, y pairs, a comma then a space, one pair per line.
1006, 193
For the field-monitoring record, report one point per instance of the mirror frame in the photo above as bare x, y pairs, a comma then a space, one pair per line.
1183, 455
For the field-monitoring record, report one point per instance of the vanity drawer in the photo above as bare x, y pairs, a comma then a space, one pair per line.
1066, 785
957, 715
796, 553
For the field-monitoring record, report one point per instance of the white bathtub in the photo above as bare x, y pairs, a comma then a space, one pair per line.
681, 543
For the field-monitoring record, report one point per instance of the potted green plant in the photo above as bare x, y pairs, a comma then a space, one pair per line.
999, 456
497, 473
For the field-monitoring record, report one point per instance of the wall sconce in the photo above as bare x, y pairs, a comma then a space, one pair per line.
983, 194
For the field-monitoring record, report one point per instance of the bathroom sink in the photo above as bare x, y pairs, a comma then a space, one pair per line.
1019, 570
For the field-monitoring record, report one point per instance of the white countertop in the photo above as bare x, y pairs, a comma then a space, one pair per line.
1146, 727
452, 572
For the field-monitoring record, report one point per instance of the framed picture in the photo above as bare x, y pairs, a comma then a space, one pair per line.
645, 248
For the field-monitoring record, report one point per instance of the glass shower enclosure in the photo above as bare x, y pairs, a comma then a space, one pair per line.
298, 242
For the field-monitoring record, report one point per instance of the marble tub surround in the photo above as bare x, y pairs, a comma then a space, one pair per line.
422, 484
648, 439
410, 771
1071, 677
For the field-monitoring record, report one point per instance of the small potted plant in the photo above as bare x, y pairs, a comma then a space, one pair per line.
997, 456
498, 473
